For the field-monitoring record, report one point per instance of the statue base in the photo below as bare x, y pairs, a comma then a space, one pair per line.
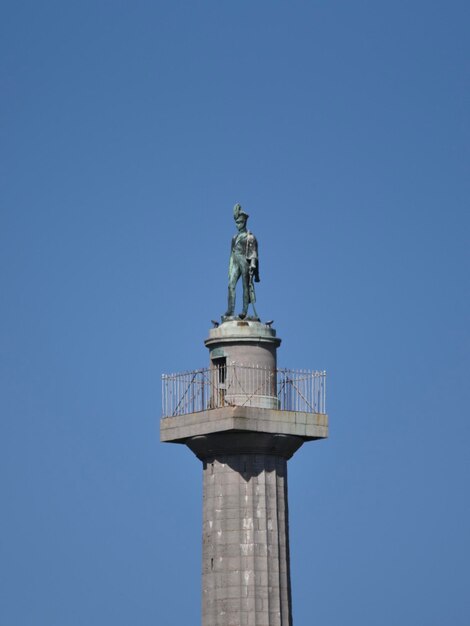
239, 318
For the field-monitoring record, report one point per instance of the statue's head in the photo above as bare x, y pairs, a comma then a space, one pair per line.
239, 216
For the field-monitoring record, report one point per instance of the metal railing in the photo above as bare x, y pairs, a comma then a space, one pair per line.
243, 385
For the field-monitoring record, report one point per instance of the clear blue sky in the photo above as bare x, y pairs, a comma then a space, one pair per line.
128, 131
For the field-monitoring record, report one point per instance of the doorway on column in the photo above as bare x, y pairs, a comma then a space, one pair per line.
219, 378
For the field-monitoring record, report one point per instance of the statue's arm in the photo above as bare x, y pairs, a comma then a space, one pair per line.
252, 256
230, 263
252, 249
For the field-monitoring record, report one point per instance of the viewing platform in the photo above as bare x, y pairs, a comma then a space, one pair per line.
236, 397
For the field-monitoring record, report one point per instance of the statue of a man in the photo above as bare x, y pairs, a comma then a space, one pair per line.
243, 263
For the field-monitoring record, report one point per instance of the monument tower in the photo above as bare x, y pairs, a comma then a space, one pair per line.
244, 417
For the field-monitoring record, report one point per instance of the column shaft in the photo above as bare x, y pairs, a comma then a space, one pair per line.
245, 575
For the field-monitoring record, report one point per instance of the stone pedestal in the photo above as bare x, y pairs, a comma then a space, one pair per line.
244, 444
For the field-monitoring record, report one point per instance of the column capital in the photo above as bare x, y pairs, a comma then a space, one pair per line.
210, 446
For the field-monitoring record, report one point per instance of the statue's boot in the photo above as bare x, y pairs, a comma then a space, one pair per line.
244, 313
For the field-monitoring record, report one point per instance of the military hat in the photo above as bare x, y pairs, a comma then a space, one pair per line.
237, 211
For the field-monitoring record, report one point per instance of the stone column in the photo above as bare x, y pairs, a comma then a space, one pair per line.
245, 561
244, 440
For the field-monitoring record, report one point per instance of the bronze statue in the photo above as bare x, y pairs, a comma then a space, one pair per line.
244, 264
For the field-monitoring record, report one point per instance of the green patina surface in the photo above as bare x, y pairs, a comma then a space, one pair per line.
243, 264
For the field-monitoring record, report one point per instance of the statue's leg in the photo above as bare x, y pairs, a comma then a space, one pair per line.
234, 275
246, 289
231, 302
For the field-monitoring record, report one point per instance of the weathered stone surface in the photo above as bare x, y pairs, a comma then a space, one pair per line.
244, 450
245, 572
250, 419
240, 332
